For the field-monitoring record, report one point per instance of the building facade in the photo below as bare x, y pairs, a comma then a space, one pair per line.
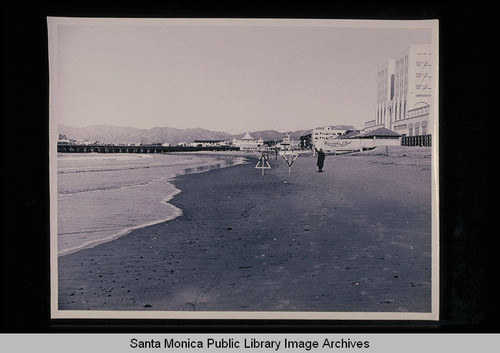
209, 143
288, 143
325, 133
248, 143
405, 92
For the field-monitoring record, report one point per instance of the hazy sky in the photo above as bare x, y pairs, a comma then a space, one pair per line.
222, 77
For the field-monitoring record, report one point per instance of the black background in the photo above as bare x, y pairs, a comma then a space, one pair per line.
468, 162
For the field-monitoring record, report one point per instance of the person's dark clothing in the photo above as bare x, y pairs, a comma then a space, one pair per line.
321, 160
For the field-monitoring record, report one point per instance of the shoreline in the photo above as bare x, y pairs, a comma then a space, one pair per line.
305, 241
172, 211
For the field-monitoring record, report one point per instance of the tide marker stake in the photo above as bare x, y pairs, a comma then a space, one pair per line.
290, 161
263, 163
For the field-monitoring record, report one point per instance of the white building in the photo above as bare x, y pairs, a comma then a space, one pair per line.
85, 142
65, 142
288, 143
404, 92
325, 133
209, 143
356, 140
248, 143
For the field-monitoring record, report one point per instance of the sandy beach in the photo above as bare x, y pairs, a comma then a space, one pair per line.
354, 238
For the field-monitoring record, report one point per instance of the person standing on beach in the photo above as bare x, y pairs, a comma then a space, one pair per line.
321, 159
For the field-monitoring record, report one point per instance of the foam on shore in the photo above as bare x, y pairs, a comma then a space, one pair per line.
104, 198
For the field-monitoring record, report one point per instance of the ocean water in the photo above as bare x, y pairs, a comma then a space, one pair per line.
104, 196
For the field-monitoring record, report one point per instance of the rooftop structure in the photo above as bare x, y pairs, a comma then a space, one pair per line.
248, 143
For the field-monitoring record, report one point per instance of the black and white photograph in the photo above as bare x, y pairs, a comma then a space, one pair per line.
244, 168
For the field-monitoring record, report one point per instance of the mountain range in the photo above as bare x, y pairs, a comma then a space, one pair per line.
116, 134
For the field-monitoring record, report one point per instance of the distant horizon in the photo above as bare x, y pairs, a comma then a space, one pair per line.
222, 75
200, 128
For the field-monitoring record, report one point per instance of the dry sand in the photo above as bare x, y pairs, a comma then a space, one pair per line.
355, 238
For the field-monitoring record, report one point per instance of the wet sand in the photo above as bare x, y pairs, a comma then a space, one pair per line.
354, 238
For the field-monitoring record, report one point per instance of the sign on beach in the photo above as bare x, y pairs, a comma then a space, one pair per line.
263, 163
289, 159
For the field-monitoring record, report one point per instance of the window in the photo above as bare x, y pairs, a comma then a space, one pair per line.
392, 87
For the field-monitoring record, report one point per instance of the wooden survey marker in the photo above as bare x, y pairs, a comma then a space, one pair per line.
289, 159
263, 163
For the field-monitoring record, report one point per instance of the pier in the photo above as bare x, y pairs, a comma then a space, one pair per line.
73, 148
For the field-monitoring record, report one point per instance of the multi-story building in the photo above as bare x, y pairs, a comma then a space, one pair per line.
405, 92
325, 133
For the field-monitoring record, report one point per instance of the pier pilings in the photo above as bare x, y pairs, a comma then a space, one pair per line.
72, 148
